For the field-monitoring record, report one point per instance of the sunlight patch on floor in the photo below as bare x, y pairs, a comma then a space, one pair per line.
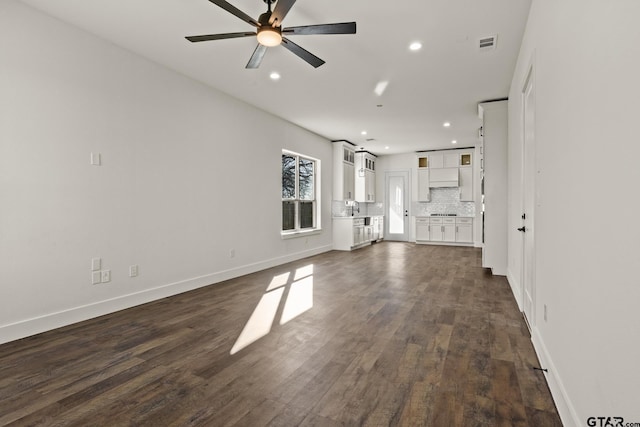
260, 322
278, 281
299, 300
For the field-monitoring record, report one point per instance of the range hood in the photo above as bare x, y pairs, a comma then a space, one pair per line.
443, 177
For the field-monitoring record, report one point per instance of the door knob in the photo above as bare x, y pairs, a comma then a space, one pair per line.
522, 229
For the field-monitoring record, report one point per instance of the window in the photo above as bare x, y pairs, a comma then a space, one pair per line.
299, 202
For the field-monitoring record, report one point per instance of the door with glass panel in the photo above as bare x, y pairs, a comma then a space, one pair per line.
397, 209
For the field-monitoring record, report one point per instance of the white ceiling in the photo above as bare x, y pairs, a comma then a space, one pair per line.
444, 81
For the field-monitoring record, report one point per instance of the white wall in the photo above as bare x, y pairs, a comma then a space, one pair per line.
187, 175
586, 58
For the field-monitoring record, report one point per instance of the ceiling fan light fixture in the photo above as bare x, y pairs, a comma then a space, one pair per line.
269, 36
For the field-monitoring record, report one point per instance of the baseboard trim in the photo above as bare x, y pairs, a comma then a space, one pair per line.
36, 325
516, 289
567, 412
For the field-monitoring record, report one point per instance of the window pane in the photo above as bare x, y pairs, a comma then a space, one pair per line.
288, 177
288, 215
306, 179
306, 214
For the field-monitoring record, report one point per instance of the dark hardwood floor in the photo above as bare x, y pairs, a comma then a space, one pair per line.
397, 334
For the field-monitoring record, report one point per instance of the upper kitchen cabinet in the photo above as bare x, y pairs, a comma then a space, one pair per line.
365, 177
439, 160
466, 184
424, 194
466, 176
343, 171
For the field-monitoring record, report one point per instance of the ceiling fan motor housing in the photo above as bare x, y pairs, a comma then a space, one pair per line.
268, 35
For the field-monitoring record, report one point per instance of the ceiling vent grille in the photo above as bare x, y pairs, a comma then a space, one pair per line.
487, 43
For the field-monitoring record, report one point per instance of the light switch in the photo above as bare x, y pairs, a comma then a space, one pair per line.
96, 277
106, 276
96, 264
95, 159
133, 271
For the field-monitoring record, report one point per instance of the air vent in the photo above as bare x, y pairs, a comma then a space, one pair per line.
487, 43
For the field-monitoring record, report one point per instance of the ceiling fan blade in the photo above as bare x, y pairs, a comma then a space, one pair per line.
256, 58
302, 53
235, 11
280, 11
341, 28
208, 37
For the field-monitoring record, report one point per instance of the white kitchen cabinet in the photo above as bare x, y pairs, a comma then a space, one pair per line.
466, 184
464, 230
451, 160
422, 230
380, 227
448, 229
436, 160
424, 193
370, 185
343, 171
348, 233
464, 233
353, 233
444, 230
365, 177
349, 185
436, 232
377, 228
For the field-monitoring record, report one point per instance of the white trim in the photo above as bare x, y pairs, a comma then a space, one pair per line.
567, 412
515, 289
300, 233
36, 325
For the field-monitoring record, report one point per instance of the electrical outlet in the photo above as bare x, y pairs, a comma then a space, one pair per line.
96, 264
232, 253
105, 276
133, 270
96, 277
95, 159
545, 312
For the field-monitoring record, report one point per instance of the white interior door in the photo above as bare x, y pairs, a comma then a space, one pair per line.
528, 203
397, 209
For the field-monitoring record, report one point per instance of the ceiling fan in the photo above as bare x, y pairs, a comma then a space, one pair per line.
269, 32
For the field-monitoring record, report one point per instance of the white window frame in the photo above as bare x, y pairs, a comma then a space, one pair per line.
297, 231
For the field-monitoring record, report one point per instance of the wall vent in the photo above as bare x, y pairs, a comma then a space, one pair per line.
488, 43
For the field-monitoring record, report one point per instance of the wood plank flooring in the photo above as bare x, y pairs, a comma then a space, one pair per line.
397, 334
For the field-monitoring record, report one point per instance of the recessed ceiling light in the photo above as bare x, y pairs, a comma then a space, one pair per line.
274, 76
415, 46
386, 147
380, 87
446, 124
454, 142
364, 132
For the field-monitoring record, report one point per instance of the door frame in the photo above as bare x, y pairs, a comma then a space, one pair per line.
529, 201
406, 174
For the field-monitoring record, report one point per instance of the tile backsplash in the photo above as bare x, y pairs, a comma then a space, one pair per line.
444, 201
344, 208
